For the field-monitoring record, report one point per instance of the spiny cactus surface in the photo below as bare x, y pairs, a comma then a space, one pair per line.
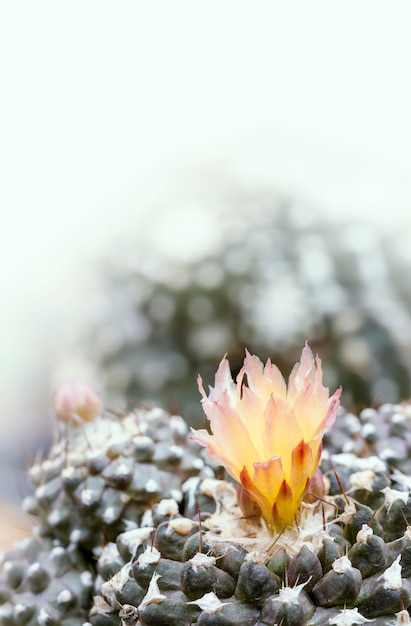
104, 474
187, 553
101, 478
342, 561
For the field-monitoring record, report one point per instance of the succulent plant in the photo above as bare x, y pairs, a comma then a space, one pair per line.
42, 582
103, 475
283, 538
344, 560
275, 275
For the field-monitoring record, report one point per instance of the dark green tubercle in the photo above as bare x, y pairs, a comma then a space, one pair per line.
133, 529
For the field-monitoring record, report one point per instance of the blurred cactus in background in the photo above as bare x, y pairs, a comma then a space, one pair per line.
274, 274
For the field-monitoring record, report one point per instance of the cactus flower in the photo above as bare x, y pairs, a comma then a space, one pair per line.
269, 436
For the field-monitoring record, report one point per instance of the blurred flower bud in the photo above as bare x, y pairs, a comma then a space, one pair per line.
76, 400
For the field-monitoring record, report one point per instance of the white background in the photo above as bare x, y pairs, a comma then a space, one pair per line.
105, 104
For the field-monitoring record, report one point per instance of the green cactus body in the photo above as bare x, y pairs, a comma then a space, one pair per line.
346, 562
185, 554
232, 570
100, 479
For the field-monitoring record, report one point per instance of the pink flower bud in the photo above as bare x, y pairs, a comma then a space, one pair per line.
76, 400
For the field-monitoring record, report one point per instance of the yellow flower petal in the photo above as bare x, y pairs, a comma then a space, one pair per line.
267, 435
283, 511
261, 485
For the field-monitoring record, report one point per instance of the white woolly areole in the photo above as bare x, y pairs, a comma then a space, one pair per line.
352, 422
33, 569
367, 430
115, 584
229, 528
189, 488
146, 520
176, 494
96, 437
399, 418
167, 506
182, 526
122, 470
43, 617
256, 557
132, 524
142, 441
133, 539
222, 492
348, 617
109, 553
150, 556
392, 575
177, 451
40, 492
388, 453
365, 532
57, 551
202, 560
209, 603
198, 464
35, 472
288, 595
363, 480
110, 515
100, 606
152, 486
178, 425
64, 596
156, 412
407, 533
349, 511
19, 609
68, 472
347, 459
86, 579
401, 479
153, 595
391, 495
342, 565
87, 497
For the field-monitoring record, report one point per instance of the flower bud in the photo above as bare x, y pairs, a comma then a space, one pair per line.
76, 401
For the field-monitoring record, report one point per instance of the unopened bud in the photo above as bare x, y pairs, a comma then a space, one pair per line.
76, 400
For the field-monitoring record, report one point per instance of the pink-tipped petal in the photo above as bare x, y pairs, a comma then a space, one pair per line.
276, 382
201, 388
269, 436
254, 370
223, 382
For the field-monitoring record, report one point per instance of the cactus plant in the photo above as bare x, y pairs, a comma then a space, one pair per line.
283, 538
